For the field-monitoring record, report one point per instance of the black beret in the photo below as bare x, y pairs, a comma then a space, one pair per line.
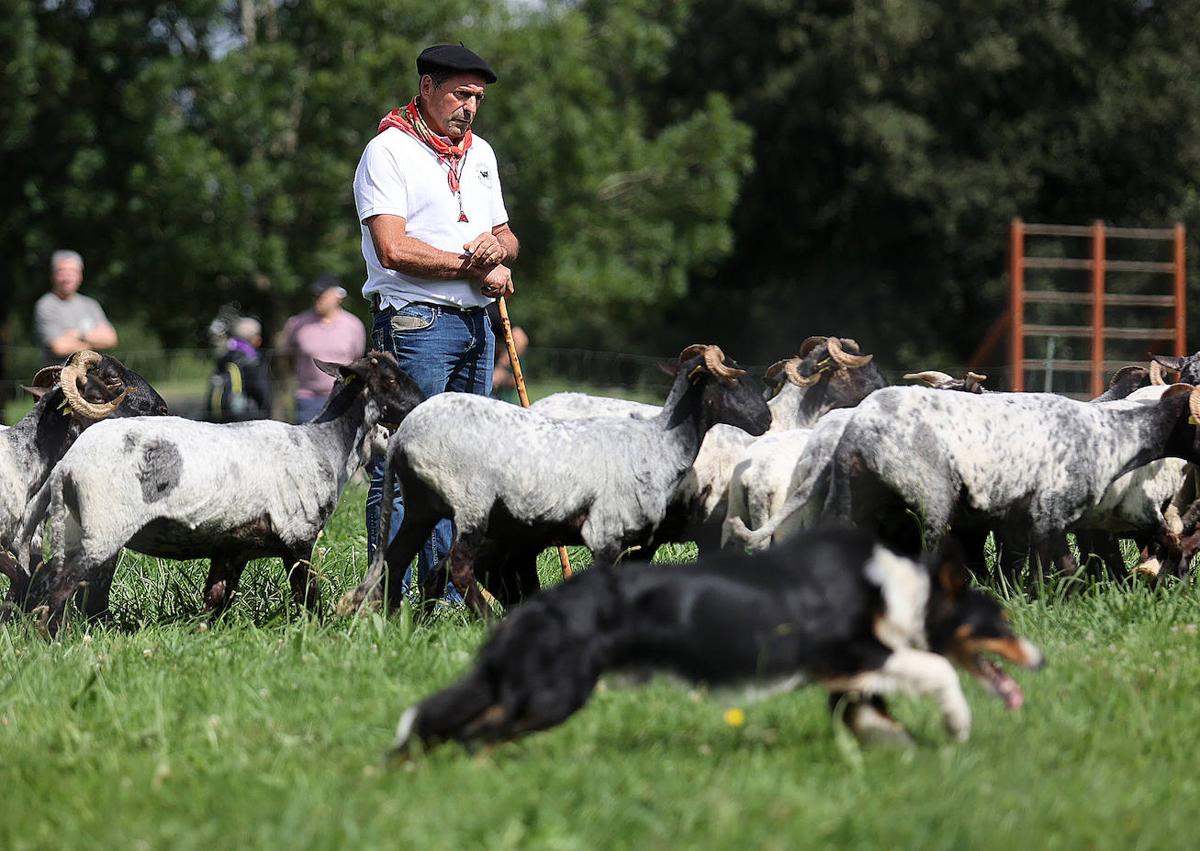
454, 57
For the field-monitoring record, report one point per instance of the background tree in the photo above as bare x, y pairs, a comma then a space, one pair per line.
895, 140
749, 172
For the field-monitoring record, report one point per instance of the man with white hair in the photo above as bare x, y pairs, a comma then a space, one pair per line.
66, 321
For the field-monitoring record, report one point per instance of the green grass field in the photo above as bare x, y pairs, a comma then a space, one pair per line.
266, 730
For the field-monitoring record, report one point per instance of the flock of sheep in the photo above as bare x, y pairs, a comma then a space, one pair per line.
727, 461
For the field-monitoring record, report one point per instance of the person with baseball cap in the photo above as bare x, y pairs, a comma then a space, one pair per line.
436, 241
326, 332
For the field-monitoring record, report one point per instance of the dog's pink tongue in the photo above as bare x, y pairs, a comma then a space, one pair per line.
1006, 687
1014, 698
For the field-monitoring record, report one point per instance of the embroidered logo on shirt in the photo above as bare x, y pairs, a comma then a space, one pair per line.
485, 176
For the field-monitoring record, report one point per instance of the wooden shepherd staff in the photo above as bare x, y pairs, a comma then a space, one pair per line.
563, 559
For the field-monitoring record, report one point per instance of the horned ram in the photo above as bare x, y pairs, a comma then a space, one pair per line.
180, 489
88, 388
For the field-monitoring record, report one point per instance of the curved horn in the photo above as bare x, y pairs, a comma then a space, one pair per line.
810, 344
849, 344
772, 372
842, 358
1127, 371
791, 368
1194, 403
691, 351
47, 376
73, 375
1156, 373
714, 361
974, 382
931, 377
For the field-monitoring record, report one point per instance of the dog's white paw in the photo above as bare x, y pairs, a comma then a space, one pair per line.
956, 715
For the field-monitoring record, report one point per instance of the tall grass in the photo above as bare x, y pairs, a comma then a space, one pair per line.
266, 730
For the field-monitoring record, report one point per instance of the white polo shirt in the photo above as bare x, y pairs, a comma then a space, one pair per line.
401, 176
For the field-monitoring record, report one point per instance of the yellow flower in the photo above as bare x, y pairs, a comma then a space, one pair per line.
734, 717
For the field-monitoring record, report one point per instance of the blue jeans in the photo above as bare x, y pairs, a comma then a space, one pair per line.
440, 349
307, 408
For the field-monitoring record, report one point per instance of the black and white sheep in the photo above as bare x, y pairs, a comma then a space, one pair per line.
1026, 463
181, 489
777, 464
529, 481
829, 373
88, 388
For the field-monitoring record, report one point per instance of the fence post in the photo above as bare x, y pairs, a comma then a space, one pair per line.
1180, 292
1097, 308
1016, 277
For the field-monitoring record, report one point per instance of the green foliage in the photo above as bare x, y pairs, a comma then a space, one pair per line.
895, 140
202, 164
675, 170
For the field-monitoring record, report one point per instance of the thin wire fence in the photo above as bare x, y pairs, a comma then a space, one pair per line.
181, 375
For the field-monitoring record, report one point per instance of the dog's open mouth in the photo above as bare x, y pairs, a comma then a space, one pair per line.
996, 680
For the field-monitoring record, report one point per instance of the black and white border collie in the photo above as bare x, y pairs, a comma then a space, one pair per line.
828, 606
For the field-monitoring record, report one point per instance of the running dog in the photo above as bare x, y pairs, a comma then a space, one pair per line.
829, 607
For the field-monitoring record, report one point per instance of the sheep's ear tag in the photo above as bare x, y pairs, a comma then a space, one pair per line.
65, 407
349, 378
1192, 420
695, 373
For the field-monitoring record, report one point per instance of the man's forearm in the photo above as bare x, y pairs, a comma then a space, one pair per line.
103, 336
421, 260
508, 240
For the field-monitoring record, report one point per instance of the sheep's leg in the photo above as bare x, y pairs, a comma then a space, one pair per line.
604, 556
1054, 550
18, 585
974, 543
1102, 551
508, 571
305, 590
462, 572
387, 568
92, 596
57, 582
224, 574
1011, 555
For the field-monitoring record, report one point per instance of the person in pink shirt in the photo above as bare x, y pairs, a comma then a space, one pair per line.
326, 332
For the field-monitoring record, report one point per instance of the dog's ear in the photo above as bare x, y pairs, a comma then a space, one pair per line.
950, 571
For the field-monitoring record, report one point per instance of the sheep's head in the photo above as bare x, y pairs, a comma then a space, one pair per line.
728, 394
1159, 374
96, 386
1185, 370
1185, 438
819, 358
389, 391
